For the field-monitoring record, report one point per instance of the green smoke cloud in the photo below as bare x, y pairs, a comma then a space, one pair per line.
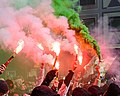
67, 8
18, 4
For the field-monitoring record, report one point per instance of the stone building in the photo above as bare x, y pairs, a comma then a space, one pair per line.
104, 15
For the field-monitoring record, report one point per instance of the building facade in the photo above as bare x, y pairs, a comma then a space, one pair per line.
103, 15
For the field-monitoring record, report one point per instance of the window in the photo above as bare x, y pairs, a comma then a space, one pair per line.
90, 23
110, 3
114, 3
114, 27
114, 22
87, 2
111, 29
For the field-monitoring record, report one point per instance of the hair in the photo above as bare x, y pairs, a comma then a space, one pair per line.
43, 91
3, 87
10, 83
80, 92
95, 90
113, 90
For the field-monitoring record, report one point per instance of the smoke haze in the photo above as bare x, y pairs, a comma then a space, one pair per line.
34, 22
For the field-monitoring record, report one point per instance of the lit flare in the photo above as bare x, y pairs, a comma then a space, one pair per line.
16, 51
40, 46
56, 47
76, 48
80, 59
78, 56
57, 65
19, 47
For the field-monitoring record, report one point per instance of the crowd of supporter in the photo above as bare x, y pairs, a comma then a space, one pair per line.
50, 85
20, 87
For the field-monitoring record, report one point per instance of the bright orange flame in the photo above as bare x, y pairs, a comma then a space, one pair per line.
85, 67
19, 47
80, 59
57, 65
56, 47
63, 78
76, 48
40, 46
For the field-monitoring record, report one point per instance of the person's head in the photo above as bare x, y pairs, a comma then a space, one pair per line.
43, 91
15, 94
80, 92
113, 90
3, 87
95, 90
10, 83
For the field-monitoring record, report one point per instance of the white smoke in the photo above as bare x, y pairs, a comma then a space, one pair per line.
34, 22
107, 41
